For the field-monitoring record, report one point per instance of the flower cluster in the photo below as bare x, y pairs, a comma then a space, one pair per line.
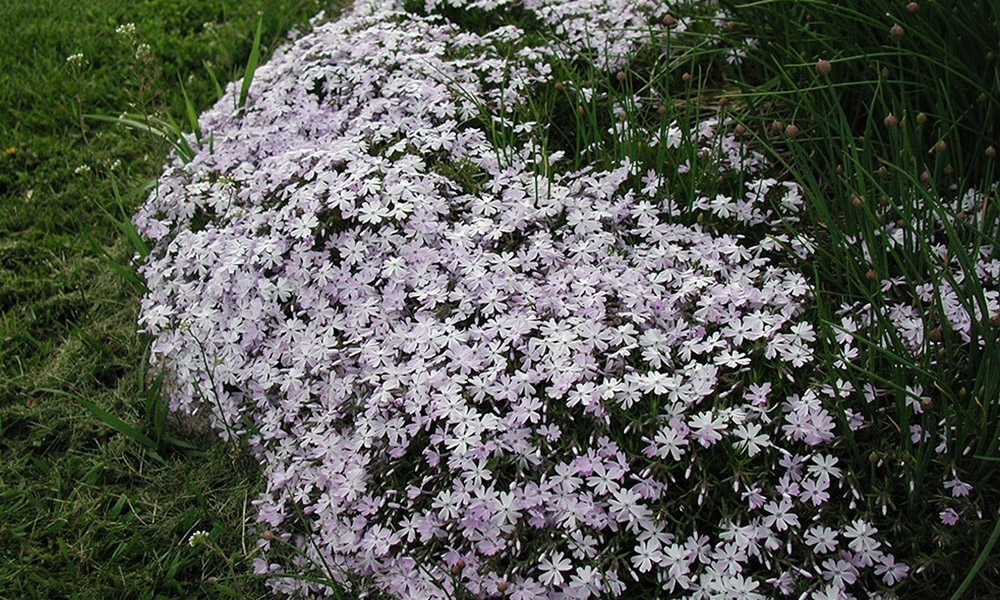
465, 374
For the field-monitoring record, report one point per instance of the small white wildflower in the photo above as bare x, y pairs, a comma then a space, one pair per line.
198, 537
77, 60
126, 31
143, 51
82, 170
116, 164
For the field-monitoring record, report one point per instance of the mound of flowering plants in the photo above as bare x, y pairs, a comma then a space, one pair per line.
470, 369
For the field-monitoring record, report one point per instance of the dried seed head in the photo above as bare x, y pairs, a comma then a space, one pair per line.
934, 335
777, 126
621, 75
791, 131
740, 130
896, 31
686, 77
912, 8
890, 121
990, 152
823, 66
669, 20
921, 119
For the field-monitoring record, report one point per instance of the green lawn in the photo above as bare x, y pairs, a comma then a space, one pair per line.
86, 512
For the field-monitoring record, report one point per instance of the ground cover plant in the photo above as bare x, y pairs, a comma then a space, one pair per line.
570, 300
87, 512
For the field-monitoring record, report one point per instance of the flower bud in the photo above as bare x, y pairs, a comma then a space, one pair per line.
791, 131
857, 201
934, 335
823, 66
948, 170
502, 587
890, 121
990, 152
669, 20
940, 146
925, 177
739, 129
912, 8
686, 77
927, 404
558, 86
921, 119
267, 535
621, 75
871, 275
896, 31
661, 110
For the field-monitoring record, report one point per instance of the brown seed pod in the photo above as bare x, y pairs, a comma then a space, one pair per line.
934, 335
777, 126
921, 119
912, 8
622, 117
995, 320
901, 223
791, 131
857, 201
871, 275
940, 146
885, 72
925, 177
739, 129
823, 67
873, 457
990, 152
558, 86
502, 587
948, 170
890, 121
669, 20
927, 404
579, 110
686, 77
661, 110
620, 76
267, 535
896, 31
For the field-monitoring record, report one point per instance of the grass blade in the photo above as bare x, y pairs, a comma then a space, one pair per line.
251, 63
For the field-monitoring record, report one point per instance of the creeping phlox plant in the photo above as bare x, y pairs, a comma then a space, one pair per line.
468, 371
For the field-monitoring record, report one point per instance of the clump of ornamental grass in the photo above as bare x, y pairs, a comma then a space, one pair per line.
481, 355
900, 187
